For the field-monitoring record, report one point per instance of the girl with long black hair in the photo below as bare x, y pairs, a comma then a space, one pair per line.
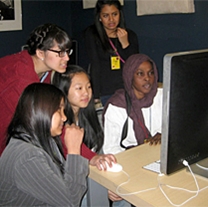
33, 171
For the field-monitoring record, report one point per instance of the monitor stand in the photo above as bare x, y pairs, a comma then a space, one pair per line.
200, 168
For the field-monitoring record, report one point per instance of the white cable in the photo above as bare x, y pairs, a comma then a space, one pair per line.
137, 192
160, 187
177, 188
202, 167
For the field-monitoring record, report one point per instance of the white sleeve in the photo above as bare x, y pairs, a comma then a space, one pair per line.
113, 126
153, 114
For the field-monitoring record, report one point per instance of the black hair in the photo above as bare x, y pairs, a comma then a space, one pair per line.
98, 26
32, 119
46, 36
93, 137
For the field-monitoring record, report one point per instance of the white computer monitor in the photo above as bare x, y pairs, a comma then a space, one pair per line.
185, 110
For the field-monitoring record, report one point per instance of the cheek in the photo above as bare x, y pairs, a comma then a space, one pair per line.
73, 98
90, 94
104, 22
52, 62
153, 79
118, 18
137, 83
53, 126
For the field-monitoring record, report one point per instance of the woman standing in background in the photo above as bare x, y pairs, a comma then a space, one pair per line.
108, 44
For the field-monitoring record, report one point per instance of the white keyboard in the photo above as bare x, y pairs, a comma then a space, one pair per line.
154, 166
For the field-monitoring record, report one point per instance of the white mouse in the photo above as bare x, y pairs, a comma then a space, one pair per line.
115, 167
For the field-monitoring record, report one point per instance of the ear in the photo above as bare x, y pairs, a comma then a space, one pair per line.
40, 54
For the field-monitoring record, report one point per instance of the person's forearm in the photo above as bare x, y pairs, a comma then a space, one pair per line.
86, 152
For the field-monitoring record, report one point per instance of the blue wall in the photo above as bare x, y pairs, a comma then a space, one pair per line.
157, 34
161, 34
35, 13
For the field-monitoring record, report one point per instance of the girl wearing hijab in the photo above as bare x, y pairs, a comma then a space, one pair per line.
141, 90
127, 113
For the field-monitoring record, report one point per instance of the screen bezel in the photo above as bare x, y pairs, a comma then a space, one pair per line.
172, 161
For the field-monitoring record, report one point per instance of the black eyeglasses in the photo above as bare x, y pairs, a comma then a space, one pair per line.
62, 53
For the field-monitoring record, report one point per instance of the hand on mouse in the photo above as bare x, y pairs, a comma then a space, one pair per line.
100, 161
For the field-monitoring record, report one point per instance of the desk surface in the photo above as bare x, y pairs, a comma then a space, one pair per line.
140, 179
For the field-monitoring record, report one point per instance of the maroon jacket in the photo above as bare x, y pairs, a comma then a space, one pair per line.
85, 151
16, 72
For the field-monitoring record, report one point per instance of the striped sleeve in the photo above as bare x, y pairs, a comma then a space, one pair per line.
38, 176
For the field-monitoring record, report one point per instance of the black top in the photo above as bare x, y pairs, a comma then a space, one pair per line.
104, 80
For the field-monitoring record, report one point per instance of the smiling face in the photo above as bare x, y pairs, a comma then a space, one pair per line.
110, 17
80, 91
143, 79
54, 62
58, 120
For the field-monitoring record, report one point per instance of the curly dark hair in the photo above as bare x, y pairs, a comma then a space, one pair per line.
45, 36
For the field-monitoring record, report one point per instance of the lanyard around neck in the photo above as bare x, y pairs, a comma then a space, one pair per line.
44, 77
114, 48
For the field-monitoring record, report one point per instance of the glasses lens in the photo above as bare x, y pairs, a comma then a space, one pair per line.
70, 52
62, 53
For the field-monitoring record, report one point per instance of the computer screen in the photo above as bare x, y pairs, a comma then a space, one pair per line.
185, 109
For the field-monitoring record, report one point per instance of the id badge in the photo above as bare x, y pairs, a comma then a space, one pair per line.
115, 63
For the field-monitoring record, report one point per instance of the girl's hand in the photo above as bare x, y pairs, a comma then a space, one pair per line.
73, 138
112, 196
123, 37
156, 139
99, 160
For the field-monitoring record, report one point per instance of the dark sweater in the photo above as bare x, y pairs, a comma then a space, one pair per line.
104, 80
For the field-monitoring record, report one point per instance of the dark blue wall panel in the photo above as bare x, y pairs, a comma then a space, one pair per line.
157, 34
35, 13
